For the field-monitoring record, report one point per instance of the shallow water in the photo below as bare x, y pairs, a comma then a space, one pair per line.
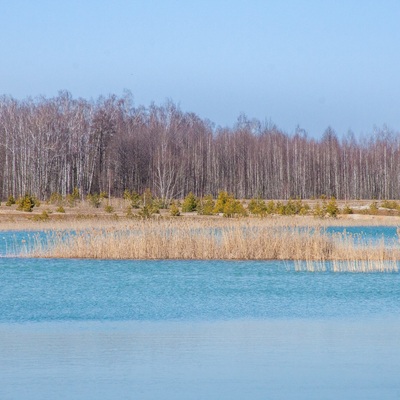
195, 330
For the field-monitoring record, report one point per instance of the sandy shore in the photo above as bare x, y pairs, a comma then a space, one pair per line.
85, 216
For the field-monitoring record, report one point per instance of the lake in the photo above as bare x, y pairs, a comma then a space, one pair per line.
195, 330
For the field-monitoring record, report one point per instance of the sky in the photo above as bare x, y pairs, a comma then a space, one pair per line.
308, 64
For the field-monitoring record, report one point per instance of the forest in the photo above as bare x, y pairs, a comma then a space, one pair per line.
53, 145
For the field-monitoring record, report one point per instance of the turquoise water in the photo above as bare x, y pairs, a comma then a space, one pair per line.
80, 329
34, 290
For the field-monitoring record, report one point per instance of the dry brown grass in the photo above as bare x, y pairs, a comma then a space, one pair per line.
83, 214
215, 238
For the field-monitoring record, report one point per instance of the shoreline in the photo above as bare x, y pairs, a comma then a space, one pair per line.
46, 216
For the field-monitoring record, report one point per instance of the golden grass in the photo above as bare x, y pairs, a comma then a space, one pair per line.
308, 245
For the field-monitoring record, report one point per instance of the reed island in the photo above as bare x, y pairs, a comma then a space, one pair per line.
140, 226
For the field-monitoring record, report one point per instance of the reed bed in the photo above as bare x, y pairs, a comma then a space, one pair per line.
311, 247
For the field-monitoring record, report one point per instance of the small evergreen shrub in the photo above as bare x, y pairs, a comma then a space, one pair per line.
159, 204
280, 208
44, 216
270, 207
319, 211
174, 210
150, 206
301, 208
60, 209
73, 197
94, 200
75, 193
10, 201
189, 203
233, 208
304, 210
133, 197
347, 210
391, 205
205, 206
146, 212
109, 209
147, 198
332, 208
135, 200
220, 203
26, 203
127, 194
373, 208
290, 208
257, 207
129, 213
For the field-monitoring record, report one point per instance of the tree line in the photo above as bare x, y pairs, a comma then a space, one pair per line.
54, 145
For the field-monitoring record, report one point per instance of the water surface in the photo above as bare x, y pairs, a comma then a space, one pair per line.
195, 330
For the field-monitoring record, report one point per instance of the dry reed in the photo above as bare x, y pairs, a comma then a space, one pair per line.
311, 247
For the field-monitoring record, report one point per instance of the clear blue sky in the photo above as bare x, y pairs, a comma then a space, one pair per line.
309, 63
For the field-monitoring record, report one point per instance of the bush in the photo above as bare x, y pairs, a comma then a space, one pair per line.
44, 216
319, 211
147, 198
26, 203
271, 207
129, 213
373, 208
304, 210
73, 197
75, 194
332, 208
257, 207
280, 208
94, 200
391, 205
60, 209
159, 204
150, 205
147, 211
10, 201
221, 200
127, 194
133, 197
292, 207
347, 210
174, 210
109, 209
205, 206
233, 208
189, 203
